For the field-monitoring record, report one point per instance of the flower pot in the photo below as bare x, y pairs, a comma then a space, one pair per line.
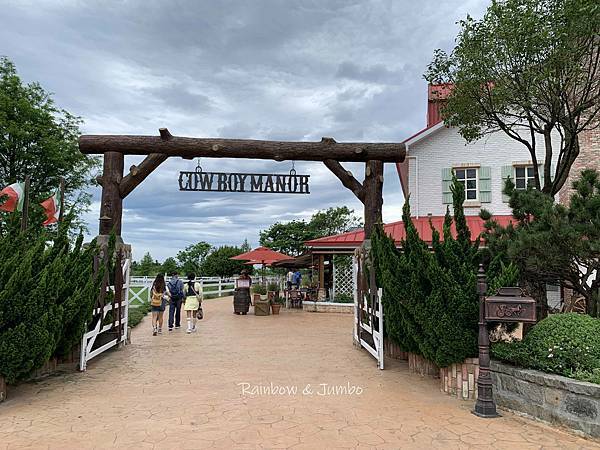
275, 307
256, 297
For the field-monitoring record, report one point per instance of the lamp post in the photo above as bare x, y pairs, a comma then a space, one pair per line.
485, 406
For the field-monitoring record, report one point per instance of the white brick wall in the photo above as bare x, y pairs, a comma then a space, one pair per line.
446, 148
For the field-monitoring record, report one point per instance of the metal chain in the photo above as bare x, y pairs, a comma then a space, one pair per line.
198, 166
293, 171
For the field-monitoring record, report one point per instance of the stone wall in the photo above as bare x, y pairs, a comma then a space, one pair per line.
328, 307
552, 398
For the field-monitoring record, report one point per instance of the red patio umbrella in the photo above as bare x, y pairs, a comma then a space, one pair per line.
261, 255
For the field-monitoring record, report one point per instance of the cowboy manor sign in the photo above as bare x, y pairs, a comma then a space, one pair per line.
244, 182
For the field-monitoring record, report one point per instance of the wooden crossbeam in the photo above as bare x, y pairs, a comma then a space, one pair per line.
186, 147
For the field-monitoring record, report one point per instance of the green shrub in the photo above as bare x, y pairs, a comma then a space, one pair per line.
259, 289
343, 298
273, 287
564, 344
137, 314
429, 294
47, 291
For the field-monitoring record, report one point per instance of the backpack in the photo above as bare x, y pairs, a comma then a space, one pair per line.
156, 299
176, 289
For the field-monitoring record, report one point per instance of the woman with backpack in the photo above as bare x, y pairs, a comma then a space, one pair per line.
158, 303
193, 301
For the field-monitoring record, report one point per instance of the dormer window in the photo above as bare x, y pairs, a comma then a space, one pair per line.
468, 177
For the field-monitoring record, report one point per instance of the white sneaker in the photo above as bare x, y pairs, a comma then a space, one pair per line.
189, 330
154, 331
194, 329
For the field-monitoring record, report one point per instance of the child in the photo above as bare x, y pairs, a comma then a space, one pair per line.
157, 303
193, 300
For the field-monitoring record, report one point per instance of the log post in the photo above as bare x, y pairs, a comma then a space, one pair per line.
111, 206
373, 196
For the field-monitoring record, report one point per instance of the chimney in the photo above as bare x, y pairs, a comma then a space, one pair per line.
436, 99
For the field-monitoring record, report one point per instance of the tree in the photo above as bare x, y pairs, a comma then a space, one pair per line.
40, 140
531, 69
219, 264
169, 265
573, 258
146, 266
192, 257
430, 295
245, 247
334, 221
289, 237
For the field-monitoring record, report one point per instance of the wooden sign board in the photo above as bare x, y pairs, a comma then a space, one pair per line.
243, 182
242, 283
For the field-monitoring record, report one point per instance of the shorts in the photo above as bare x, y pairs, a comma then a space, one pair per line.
157, 309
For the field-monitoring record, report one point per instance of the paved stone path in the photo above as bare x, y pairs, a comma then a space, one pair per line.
183, 391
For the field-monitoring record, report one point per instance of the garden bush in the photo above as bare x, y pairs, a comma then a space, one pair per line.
137, 314
430, 297
47, 292
343, 298
564, 344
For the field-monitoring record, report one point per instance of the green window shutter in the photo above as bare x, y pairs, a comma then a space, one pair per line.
552, 171
507, 172
446, 183
485, 184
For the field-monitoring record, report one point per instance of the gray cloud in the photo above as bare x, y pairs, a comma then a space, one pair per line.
266, 69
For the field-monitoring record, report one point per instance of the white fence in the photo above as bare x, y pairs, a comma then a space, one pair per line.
139, 288
115, 330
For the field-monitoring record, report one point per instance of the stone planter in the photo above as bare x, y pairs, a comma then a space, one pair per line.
328, 307
551, 398
460, 380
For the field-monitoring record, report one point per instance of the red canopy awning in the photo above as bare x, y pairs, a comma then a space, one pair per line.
261, 255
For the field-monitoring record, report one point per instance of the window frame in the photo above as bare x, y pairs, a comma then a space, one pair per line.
476, 189
527, 179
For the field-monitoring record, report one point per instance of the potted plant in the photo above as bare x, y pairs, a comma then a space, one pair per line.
276, 303
258, 290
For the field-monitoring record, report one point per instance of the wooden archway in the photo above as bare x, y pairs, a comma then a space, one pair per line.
116, 186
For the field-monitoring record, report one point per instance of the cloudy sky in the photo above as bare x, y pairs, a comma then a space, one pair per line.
259, 69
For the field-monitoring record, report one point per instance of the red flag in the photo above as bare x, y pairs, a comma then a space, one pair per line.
15, 195
50, 206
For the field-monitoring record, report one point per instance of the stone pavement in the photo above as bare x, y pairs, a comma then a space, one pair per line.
185, 392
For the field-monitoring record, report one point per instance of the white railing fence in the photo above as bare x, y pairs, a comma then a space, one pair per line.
139, 288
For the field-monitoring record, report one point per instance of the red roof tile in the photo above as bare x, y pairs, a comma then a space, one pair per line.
397, 232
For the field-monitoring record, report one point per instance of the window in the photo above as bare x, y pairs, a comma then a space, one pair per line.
468, 177
524, 177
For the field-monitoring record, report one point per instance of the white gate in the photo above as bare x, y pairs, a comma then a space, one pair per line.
368, 309
108, 331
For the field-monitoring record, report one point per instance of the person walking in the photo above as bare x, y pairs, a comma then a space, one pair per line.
176, 295
192, 302
290, 279
157, 303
